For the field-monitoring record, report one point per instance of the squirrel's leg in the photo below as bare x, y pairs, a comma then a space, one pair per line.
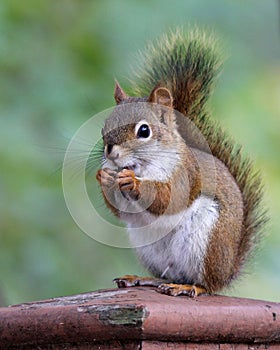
134, 280
107, 180
181, 289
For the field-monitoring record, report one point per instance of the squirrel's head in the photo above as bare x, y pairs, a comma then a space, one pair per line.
141, 135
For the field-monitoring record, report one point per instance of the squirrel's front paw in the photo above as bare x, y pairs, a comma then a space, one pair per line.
106, 177
127, 181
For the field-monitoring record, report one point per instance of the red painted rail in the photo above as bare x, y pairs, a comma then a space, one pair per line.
141, 318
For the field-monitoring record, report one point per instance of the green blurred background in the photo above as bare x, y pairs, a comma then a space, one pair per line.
58, 61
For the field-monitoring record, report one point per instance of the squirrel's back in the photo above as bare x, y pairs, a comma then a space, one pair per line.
187, 65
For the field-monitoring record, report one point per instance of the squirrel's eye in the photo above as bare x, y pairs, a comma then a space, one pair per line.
143, 131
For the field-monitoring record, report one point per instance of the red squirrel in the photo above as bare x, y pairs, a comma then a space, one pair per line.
157, 177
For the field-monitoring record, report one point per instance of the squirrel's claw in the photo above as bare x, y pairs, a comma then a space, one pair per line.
181, 289
134, 280
126, 281
106, 177
127, 181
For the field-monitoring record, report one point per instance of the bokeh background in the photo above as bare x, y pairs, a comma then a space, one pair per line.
58, 61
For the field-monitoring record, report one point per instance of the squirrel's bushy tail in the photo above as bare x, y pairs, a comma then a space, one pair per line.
187, 64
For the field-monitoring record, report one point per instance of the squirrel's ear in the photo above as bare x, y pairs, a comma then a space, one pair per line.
119, 94
161, 96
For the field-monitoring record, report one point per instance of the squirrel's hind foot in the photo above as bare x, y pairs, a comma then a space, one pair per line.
181, 289
134, 281
162, 285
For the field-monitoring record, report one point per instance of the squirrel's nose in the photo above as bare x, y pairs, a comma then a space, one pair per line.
111, 152
109, 149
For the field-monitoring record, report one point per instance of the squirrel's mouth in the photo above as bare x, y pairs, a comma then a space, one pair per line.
119, 165
133, 166
129, 167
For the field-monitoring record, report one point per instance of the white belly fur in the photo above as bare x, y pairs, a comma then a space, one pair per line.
179, 255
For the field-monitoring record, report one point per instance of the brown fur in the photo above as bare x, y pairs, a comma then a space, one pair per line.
181, 77
222, 253
222, 260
